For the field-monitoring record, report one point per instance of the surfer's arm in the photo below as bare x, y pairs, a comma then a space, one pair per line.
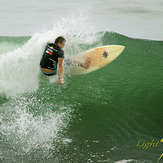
60, 69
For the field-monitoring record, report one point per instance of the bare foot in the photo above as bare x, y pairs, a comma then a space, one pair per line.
87, 62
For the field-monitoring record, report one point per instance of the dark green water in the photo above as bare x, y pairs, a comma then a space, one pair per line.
98, 117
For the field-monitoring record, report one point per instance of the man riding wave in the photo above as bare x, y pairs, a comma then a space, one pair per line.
53, 54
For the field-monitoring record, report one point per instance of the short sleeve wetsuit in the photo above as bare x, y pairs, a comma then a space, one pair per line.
50, 57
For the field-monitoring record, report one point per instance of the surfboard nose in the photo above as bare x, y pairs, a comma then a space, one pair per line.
121, 48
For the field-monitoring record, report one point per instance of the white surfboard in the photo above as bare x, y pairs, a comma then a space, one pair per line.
100, 57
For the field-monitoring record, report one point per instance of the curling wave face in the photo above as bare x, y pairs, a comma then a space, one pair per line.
95, 117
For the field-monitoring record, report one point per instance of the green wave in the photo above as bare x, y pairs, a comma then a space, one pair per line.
112, 108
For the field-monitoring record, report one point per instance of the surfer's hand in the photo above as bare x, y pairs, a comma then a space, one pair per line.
60, 81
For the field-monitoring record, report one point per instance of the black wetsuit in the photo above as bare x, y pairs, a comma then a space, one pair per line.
50, 58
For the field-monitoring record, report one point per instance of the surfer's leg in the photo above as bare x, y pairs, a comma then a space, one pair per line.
68, 62
85, 65
77, 63
87, 62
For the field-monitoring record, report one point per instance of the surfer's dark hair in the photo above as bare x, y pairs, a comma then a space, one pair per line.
60, 40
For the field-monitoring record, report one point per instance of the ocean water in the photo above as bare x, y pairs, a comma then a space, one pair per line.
104, 116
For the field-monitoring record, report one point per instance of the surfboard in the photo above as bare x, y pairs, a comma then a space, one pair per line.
100, 57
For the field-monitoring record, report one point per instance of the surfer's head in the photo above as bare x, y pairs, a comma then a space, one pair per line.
60, 41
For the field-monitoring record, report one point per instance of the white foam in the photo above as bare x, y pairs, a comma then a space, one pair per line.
125, 161
6, 47
20, 68
25, 131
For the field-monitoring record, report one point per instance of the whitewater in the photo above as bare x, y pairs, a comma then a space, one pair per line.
98, 117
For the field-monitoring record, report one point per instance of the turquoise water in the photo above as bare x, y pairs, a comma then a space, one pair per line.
98, 117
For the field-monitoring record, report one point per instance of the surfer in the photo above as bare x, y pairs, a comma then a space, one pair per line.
53, 54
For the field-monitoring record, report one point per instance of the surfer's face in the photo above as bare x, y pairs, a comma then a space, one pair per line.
61, 45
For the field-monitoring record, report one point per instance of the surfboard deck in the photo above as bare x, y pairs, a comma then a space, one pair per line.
100, 57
